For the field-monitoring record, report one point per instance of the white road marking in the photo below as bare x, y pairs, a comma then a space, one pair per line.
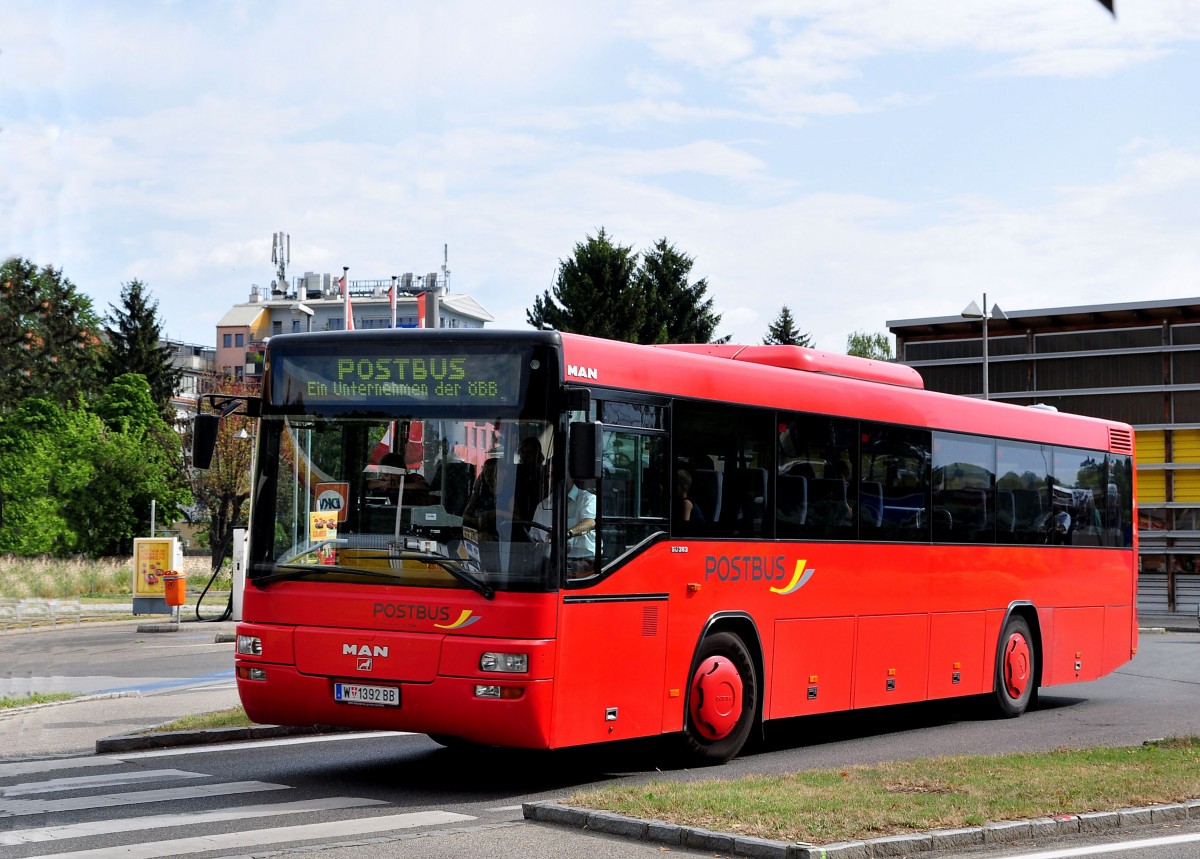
58, 785
17, 768
160, 821
1121, 847
76, 803
262, 837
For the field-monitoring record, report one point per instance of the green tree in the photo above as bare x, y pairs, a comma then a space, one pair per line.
134, 337
223, 489
39, 462
595, 292
74, 483
608, 290
48, 336
137, 460
864, 345
783, 331
675, 311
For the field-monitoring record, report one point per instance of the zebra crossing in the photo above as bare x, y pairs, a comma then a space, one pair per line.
231, 816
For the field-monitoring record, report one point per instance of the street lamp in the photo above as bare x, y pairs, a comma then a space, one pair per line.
301, 309
972, 311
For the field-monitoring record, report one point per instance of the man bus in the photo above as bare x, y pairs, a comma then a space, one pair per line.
853, 540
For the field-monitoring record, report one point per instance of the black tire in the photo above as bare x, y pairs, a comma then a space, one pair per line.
722, 700
1016, 669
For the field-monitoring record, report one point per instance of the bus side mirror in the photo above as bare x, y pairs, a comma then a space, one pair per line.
585, 451
204, 439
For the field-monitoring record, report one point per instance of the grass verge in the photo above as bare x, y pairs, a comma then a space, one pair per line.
824, 806
14, 701
234, 717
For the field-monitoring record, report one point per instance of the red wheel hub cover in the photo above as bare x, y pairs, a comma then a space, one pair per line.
716, 699
1016, 665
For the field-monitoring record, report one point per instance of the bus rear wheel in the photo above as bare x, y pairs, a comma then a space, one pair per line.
1016, 669
722, 700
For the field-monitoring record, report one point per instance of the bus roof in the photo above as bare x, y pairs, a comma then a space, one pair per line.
794, 378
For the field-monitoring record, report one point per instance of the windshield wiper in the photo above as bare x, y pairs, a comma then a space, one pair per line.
454, 568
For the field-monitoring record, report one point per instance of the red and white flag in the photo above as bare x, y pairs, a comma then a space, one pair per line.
421, 309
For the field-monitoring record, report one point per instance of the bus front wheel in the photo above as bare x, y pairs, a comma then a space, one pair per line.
722, 700
1016, 669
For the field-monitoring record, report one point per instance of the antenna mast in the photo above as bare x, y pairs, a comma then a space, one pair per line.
281, 255
446, 266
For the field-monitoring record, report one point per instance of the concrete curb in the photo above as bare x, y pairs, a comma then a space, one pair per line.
207, 736
1004, 832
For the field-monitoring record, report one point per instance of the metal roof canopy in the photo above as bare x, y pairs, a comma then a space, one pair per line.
1122, 315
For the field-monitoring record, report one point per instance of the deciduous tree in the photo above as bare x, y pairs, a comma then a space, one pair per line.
864, 345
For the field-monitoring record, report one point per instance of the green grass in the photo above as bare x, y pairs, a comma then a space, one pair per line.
14, 701
824, 806
102, 579
234, 717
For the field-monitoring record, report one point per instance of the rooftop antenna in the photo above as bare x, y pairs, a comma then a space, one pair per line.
446, 266
281, 255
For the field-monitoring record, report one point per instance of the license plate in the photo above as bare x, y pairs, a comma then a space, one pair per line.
354, 693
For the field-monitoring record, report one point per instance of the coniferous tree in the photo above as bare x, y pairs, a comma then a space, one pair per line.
606, 290
595, 292
134, 338
783, 331
676, 311
48, 336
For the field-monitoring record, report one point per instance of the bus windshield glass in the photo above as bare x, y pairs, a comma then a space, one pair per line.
404, 458
428, 502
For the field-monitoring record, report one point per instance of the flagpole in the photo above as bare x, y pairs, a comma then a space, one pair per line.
392, 300
346, 297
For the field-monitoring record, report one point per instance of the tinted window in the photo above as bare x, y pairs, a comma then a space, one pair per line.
964, 495
894, 483
725, 455
1022, 491
814, 486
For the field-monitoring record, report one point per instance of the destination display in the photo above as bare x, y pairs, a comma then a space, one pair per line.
491, 378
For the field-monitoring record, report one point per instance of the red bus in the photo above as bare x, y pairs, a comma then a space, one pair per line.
597, 541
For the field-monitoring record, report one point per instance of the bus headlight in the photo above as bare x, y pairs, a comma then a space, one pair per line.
249, 645
508, 693
505, 663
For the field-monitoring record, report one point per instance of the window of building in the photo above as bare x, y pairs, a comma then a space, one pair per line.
227, 341
239, 339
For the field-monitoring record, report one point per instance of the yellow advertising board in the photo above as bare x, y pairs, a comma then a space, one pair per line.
152, 557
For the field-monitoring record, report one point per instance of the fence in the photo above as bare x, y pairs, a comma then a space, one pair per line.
27, 612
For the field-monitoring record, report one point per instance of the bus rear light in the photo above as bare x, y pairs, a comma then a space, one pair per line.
505, 663
246, 673
249, 645
507, 693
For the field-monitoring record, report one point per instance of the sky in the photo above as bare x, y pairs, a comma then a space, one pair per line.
859, 162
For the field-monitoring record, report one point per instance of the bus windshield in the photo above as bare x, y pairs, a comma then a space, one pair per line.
428, 502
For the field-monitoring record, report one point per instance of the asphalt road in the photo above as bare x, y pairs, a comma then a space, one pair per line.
468, 803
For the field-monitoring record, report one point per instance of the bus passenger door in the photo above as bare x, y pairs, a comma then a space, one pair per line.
610, 679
